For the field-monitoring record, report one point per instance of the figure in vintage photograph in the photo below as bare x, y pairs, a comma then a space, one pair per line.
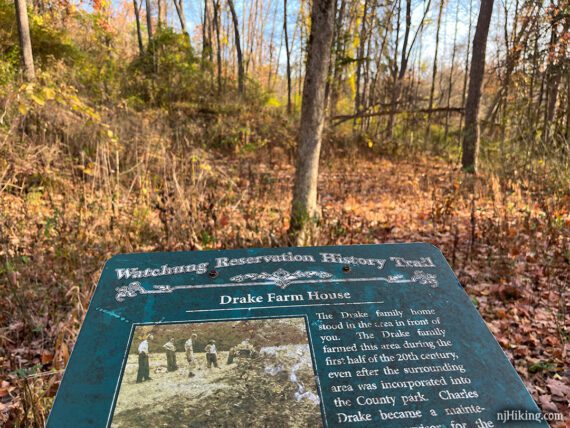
144, 368
189, 351
211, 354
170, 355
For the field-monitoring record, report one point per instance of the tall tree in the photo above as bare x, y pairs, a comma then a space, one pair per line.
137, 9
360, 59
252, 38
396, 79
568, 103
466, 71
304, 204
179, 5
451, 74
398, 76
288, 56
160, 12
513, 55
469, 157
272, 46
554, 68
434, 69
25, 40
241, 74
218, 43
206, 42
337, 67
149, 20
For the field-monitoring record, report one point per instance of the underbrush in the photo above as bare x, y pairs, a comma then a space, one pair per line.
75, 190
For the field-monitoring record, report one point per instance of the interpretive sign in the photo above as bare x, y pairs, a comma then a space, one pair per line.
350, 336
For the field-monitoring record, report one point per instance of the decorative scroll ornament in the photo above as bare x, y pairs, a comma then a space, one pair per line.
425, 278
130, 290
135, 288
281, 277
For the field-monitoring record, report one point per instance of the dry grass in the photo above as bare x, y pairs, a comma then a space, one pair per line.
71, 197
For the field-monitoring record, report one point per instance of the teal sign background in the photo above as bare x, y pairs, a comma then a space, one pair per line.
181, 287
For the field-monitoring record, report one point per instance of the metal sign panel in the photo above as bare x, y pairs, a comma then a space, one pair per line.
360, 336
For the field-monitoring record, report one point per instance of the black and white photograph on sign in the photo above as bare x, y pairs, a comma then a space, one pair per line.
258, 373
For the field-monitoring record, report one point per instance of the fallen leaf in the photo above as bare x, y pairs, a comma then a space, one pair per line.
558, 388
547, 404
47, 357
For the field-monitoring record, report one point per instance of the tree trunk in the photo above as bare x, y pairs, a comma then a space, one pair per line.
288, 55
209, 30
205, 37
364, 94
251, 37
303, 48
466, 71
434, 69
395, 91
25, 40
469, 158
521, 38
137, 9
148, 20
179, 5
218, 43
336, 77
272, 48
362, 44
398, 77
260, 45
238, 48
159, 13
568, 106
304, 205
554, 72
451, 73
381, 51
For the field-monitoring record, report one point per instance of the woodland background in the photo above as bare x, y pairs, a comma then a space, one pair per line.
170, 125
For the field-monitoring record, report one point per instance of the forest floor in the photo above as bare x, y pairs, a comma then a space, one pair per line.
509, 244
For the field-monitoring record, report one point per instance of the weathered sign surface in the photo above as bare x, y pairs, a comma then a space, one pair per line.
355, 336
